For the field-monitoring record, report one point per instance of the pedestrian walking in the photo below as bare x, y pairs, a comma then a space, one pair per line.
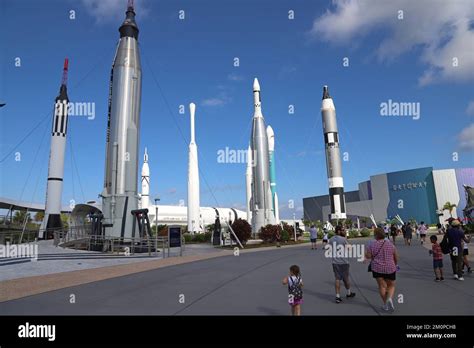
313, 235
340, 264
393, 232
408, 234
437, 258
422, 230
383, 258
325, 238
295, 289
465, 255
456, 238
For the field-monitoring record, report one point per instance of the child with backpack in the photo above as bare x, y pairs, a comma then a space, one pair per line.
295, 289
437, 253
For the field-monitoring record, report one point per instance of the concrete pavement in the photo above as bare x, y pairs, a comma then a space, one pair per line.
251, 284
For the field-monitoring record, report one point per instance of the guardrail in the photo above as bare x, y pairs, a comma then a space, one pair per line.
113, 244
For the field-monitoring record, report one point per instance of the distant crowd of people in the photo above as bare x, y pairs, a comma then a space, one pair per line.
382, 258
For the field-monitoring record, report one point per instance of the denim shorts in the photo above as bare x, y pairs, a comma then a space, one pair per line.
437, 263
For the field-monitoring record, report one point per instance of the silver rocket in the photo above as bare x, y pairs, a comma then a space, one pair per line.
333, 157
262, 202
54, 189
194, 220
120, 194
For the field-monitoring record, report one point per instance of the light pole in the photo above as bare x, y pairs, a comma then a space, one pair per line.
294, 224
156, 215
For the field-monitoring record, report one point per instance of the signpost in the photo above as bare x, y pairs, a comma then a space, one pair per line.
174, 238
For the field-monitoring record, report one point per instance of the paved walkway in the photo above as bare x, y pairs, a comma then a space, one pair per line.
53, 260
251, 284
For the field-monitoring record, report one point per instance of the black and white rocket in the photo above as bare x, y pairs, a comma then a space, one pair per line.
262, 200
120, 195
54, 188
333, 157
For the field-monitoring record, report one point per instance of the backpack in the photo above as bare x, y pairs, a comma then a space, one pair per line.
294, 289
445, 245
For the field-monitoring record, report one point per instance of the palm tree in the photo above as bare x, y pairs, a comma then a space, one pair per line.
39, 216
20, 216
449, 207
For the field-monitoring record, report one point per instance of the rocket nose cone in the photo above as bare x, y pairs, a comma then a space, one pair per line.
256, 85
326, 92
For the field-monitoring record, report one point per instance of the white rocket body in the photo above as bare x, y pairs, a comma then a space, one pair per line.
54, 189
271, 156
145, 202
194, 223
277, 209
262, 212
248, 182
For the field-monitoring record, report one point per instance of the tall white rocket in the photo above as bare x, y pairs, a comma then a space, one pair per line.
145, 182
52, 214
248, 182
194, 224
262, 207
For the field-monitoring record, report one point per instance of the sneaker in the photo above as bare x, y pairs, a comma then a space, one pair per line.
461, 278
437, 280
384, 307
469, 270
352, 294
390, 305
456, 277
442, 279
338, 300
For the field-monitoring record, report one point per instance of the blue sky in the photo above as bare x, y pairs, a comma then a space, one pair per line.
192, 60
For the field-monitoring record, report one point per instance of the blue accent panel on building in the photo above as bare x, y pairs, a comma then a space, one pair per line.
415, 189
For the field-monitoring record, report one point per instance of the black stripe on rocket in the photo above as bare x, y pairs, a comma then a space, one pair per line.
337, 191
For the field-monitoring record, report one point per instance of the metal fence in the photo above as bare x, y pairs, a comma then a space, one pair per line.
80, 237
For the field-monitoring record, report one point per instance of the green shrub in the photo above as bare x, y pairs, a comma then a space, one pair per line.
202, 237
285, 236
365, 232
331, 234
320, 234
353, 233
187, 237
289, 229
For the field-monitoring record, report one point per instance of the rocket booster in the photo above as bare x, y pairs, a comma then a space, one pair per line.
271, 155
194, 224
120, 194
262, 213
52, 216
248, 182
145, 182
333, 157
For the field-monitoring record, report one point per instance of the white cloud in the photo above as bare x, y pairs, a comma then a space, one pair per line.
214, 102
112, 10
466, 138
235, 77
440, 29
470, 108
221, 99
